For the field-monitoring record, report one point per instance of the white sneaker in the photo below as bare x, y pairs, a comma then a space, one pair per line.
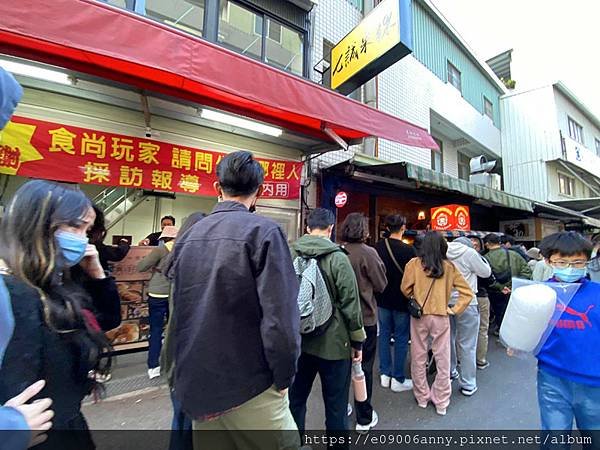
385, 381
440, 411
407, 385
361, 429
154, 373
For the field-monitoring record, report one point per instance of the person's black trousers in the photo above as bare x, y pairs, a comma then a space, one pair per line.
364, 410
335, 383
498, 302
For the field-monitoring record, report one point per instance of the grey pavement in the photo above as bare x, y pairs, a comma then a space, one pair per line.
506, 399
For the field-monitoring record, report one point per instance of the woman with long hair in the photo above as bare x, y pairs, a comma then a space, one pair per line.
430, 280
59, 323
370, 275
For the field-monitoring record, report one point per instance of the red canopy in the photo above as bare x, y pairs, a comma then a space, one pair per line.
98, 39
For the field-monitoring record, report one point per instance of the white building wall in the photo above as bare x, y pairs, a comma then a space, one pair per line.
530, 137
581, 190
333, 19
565, 109
410, 91
407, 90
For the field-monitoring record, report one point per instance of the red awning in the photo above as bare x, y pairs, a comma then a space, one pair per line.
98, 39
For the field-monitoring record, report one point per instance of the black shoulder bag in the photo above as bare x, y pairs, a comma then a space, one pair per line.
414, 308
505, 276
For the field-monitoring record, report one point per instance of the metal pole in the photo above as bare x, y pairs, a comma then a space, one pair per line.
370, 93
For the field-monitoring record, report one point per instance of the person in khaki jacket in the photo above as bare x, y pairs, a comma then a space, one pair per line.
430, 279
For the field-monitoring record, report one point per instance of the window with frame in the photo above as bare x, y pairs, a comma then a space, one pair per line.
566, 185
257, 35
187, 16
437, 157
464, 166
488, 107
597, 143
454, 76
575, 131
358, 4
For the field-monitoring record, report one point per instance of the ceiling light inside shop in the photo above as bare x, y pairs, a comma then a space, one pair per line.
241, 123
40, 73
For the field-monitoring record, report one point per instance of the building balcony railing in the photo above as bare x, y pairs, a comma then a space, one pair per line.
581, 156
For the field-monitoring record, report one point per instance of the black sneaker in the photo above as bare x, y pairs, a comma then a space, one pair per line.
483, 366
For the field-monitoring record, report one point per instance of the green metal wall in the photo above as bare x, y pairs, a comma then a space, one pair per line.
434, 47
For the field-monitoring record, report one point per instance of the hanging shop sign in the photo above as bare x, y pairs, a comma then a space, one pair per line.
383, 37
534, 229
341, 199
40, 149
450, 217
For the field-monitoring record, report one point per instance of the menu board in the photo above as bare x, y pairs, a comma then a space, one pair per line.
133, 290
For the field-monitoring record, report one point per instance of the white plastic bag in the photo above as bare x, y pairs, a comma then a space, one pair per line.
533, 309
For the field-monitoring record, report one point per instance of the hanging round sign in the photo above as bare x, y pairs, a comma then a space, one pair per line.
341, 199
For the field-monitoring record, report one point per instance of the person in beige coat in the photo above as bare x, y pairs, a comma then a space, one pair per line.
430, 279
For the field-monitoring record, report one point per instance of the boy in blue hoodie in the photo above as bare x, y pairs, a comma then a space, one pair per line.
569, 362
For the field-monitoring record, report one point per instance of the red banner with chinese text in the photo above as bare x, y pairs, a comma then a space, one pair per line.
40, 149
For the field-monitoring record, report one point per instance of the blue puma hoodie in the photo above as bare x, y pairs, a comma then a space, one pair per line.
571, 350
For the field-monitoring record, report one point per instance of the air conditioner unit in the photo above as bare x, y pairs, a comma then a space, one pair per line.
491, 180
481, 164
496, 181
482, 179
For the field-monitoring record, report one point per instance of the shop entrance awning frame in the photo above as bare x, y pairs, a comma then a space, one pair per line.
409, 175
590, 205
154, 57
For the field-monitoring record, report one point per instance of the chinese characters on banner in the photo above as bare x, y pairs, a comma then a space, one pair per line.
372, 46
40, 149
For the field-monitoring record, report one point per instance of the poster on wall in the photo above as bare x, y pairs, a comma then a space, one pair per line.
521, 230
133, 290
60, 152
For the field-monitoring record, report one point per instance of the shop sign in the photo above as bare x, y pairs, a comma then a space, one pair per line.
341, 199
533, 229
382, 38
133, 290
521, 230
40, 149
450, 217
582, 157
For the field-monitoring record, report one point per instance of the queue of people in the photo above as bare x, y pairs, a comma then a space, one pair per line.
240, 353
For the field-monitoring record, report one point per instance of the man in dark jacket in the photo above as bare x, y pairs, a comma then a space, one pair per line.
483, 302
330, 354
509, 243
505, 265
394, 320
236, 315
152, 239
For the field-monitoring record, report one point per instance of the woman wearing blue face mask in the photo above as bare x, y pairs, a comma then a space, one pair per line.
59, 323
568, 363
